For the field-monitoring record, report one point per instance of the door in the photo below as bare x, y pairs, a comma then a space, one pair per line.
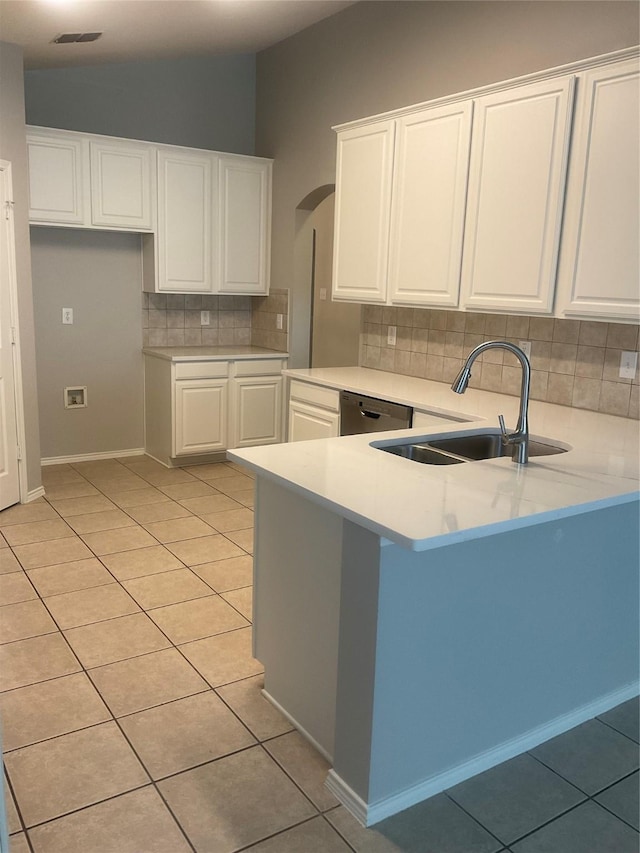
185, 188
427, 212
257, 410
57, 171
516, 193
121, 185
363, 209
9, 474
200, 416
308, 422
599, 268
244, 217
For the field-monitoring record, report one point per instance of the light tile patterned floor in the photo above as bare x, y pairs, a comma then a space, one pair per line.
133, 718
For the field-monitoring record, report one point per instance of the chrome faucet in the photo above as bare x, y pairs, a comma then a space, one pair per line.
520, 438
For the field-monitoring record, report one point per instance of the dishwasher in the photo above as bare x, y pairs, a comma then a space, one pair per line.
367, 414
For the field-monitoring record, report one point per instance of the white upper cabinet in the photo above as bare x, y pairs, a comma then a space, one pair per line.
363, 209
122, 184
58, 176
516, 192
599, 270
184, 241
427, 211
205, 217
244, 217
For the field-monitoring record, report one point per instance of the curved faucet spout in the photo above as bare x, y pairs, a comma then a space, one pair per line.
520, 438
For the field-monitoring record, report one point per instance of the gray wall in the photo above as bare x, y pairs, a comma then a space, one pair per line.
13, 147
206, 102
377, 56
98, 274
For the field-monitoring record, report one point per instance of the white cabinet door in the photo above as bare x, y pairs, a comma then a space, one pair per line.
427, 213
257, 410
516, 190
58, 176
308, 422
599, 269
184, 239
200, 412
244, 215
122, 183
363, 206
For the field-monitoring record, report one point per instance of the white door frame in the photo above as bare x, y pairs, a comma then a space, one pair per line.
7, 223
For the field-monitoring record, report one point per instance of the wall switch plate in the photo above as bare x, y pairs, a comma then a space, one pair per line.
323, 294
628, 365
75, 397
67, 316
204, 318
525, 346
391, 336
279, 321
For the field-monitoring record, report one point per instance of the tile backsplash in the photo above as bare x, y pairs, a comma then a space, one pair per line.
573, 362
173, 320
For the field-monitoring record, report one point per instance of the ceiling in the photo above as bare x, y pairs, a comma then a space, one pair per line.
138, 30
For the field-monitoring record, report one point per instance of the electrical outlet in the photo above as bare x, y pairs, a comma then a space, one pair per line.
525, 346
204, 318
279, 321
67, 316
628, 365
391, 336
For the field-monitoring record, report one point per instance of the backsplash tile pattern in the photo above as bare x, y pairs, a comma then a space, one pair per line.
173, 320
264, 320
573, 362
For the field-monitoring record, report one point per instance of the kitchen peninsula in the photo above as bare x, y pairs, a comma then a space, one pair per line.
420, 624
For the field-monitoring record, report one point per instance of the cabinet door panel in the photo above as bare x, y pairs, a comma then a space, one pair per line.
121, 185
257, 410
184, 222
427, 215
516, 185
600, 268
244, 226
56, 180
363, 207
200, 416
308, 422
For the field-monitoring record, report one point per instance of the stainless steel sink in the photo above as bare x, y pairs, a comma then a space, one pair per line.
488, 446
470, 447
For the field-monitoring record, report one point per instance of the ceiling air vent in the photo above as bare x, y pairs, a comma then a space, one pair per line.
69, 38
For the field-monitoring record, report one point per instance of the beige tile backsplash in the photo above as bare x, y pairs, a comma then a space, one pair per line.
573, 362
174, 320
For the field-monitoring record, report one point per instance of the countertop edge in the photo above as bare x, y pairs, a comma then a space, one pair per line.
224, 353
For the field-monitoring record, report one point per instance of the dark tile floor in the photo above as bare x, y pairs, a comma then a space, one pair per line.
132, 714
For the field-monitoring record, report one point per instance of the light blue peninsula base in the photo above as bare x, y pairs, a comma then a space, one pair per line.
414, 670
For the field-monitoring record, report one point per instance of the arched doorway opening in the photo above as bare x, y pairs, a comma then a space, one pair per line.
332, 329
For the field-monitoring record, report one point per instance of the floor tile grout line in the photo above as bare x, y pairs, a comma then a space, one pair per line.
9, 783
335, 828
613, 728
574, 784
473, 817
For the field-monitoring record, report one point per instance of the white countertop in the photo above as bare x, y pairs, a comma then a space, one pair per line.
427, 506
219, 353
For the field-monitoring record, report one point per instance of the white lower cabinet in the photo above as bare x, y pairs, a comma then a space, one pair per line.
201, 412
314, 412
193, 408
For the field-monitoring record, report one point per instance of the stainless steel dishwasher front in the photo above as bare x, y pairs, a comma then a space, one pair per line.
368, 414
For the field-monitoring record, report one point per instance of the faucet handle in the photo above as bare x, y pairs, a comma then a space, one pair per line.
503, 429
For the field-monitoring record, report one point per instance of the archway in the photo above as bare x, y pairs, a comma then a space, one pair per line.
331, 329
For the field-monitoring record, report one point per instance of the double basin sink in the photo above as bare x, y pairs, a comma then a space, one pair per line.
469, 447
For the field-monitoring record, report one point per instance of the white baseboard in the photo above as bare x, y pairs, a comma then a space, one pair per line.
369, 814
34, 494
305, 734
91, 457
